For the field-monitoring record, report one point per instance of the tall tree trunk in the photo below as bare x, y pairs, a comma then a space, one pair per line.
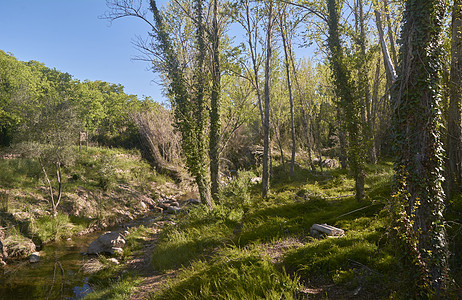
287, 53
189, 108
454, 138
374, 104
389, 64
390, 33
215, 125
344, 90
266, 123
342, 138
365, 86
199, 103
418, 147
253, 55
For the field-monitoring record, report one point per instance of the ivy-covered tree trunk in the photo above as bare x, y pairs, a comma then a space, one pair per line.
419, 193
189, 108
454, 142
266, 120
215, 125
198, 102
344, 89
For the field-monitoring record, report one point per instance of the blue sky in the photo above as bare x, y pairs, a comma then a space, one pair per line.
69, 36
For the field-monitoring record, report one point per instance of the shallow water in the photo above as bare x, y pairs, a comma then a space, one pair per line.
58, 274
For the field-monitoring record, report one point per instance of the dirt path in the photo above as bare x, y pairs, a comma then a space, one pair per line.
140, 262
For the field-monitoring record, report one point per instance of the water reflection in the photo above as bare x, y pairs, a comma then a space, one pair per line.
58, 274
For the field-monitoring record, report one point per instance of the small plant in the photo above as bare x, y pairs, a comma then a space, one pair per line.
106, 172
4, 201
53, 229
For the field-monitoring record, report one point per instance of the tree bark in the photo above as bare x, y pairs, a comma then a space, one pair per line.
215, 125
287, 53
266, 123
344, 90
389, 65
418, 147
454, 138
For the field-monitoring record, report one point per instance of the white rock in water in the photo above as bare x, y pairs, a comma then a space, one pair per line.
34, 257
107, 242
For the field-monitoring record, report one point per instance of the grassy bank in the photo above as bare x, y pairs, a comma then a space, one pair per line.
250, 247
102, 187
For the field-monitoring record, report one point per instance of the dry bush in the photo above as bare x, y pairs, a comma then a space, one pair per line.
160, 141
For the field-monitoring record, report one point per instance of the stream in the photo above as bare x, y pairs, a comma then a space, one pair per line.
59, 273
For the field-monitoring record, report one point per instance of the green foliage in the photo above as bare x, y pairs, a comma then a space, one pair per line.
349, 102
237, 192
106, 172
19, 173
30, 90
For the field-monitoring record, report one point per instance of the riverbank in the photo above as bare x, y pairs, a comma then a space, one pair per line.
102, 188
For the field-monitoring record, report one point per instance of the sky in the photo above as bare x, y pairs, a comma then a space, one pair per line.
69, 35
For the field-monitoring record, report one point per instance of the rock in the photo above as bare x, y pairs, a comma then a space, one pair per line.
173, 210
18, 246
143, 205
113, 260
255, 180
107, 243
317, 230
164, 206
117, 250
34, 257
193, 201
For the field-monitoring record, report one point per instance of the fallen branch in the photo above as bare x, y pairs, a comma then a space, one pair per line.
338, 197
353, 211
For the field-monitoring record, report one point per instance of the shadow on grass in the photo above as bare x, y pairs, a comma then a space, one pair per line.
295, 219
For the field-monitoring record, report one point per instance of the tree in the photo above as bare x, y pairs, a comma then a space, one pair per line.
454, 137
286, 41
344, 89
267, 90
48, 131
419, 195
215, 104
189, 108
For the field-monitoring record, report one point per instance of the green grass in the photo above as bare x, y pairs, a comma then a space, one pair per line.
223, 256
110, 286
231, 273
198, 233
